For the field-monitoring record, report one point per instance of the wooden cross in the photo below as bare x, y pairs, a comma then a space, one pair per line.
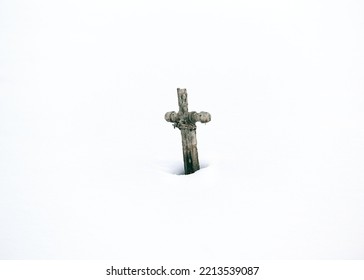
186, 122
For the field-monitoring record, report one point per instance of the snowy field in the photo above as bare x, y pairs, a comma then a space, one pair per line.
89, 168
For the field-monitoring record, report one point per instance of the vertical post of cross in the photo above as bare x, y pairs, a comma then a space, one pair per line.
186, 122
188, 133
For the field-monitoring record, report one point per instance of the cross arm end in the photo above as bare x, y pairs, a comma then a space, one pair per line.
202, 117
171, 116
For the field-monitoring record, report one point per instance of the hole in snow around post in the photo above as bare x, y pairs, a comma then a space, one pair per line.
181, 171
177, 168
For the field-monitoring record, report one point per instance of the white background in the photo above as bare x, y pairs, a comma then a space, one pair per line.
89, 168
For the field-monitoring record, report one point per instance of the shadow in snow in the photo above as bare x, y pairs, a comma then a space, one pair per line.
178, 168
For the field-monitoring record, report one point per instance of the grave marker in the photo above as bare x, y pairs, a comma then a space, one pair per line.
186, 122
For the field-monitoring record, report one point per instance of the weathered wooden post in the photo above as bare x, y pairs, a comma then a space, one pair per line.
186, 122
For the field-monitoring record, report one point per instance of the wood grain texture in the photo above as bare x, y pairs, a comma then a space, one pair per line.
186, 122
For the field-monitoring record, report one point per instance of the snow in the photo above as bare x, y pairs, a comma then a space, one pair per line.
89, 168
